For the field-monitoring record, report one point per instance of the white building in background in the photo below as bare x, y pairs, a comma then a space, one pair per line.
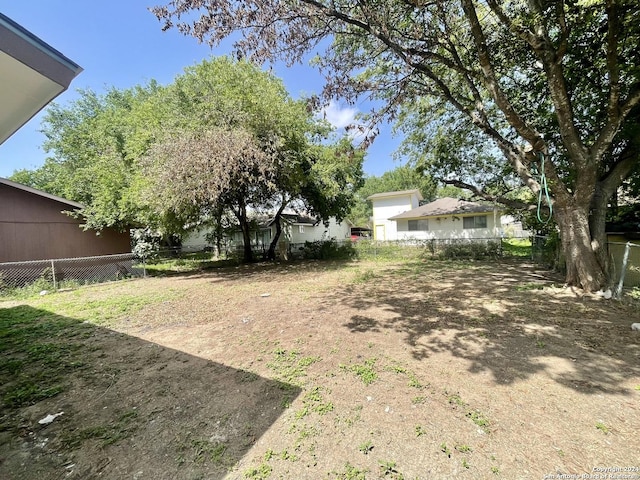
399, 216
387, 205
296, 229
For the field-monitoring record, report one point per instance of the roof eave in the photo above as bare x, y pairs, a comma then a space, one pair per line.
40, 193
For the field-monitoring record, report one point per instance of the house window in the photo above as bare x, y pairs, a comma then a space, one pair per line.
474, 222
418, 225
300, 228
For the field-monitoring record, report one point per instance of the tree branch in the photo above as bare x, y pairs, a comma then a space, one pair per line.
501, 199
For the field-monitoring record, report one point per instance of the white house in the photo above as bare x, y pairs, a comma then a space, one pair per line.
387, 205
296, 229
397, 217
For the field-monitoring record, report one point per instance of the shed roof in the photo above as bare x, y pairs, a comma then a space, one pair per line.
32, 73
398, 193
40, 193
444, 206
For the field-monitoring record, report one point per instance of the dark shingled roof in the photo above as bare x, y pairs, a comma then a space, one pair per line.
444, 206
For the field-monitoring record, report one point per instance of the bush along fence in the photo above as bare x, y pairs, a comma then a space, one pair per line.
66, 272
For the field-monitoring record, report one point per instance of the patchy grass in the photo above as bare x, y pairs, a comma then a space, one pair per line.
364, 371
432, 362
38, 351
516, 247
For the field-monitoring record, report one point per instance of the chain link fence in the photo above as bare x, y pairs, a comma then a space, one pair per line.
624, 257
625, 265
63, 272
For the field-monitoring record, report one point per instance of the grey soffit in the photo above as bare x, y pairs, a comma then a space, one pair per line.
32, 73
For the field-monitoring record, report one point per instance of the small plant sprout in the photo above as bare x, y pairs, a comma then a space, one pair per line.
463, 448
602, 427
444, 449
420, 431
388, 468
365, 447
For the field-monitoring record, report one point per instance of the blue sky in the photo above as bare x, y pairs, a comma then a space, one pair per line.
120, 43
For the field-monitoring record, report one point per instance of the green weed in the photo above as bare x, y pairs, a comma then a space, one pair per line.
364, 372
313, 401
289, 366
261, 472
364, 277
350, 472
366, 447
444, 449
455, 399
602, 427
479, 419
389, 469
107, 434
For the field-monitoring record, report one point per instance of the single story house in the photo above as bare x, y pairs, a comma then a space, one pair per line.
296, 229
32, 73
399, 216
33, 226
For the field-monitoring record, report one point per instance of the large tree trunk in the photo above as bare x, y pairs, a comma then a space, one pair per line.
583, 268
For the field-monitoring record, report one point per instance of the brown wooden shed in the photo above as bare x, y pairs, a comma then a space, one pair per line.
34, 227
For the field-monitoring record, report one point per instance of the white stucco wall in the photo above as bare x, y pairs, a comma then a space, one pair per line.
339, 231
196, 240
386, 207
448, 228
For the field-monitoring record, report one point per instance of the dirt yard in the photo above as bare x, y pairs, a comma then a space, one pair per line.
409, 370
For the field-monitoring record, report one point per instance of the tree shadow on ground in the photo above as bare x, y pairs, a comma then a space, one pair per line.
500, 320
131, 408
265, 271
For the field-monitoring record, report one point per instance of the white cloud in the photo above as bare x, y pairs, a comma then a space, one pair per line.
338, 116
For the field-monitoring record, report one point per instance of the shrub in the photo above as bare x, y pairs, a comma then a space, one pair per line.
471, 250
328, 250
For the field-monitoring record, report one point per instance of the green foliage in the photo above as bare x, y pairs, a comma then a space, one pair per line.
473, 85
223, 137
516, 247
470, 250
328, 250
365, 371
349, 472
261, 472
290, 366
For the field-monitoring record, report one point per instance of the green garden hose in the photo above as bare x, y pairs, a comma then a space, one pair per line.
544, 189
